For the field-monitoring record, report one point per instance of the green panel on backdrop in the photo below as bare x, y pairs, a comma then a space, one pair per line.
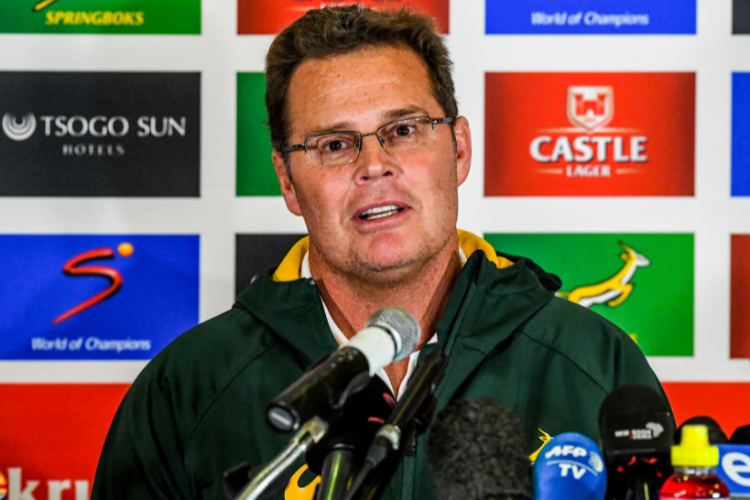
657, 311
255, 173
122, 17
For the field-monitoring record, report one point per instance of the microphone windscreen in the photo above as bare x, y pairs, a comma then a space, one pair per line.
402, 325
476, 451
570, 467
741, 435
715, 434
635, 420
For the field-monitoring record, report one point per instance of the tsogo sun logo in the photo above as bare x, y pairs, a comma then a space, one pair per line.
19, 129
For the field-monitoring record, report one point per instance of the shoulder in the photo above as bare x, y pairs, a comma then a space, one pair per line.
595, 345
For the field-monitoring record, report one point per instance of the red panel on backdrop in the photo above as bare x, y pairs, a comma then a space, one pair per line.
740, 291
53, 434
726, 402
589, 134
268, 17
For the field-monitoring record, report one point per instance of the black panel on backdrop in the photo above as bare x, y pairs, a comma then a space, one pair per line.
255, 253
99, 134
741, 16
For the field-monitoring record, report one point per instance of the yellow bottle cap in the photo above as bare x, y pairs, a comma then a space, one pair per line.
694, 449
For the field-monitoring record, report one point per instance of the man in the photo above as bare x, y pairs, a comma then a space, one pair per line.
368, 148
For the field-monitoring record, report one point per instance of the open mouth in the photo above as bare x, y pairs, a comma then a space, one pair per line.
380, 212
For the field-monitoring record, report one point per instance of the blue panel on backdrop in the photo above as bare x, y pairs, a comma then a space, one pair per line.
95, 297
590, 17
741, 134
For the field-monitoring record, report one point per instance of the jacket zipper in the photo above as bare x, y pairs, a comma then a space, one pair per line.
407, 483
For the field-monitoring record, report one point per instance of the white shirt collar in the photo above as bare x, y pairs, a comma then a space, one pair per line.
340, 338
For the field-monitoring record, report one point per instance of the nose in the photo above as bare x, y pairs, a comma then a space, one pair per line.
374, 161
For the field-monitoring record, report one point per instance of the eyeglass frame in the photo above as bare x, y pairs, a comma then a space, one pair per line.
433, 121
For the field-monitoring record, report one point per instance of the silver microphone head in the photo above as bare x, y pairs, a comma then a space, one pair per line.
402, 326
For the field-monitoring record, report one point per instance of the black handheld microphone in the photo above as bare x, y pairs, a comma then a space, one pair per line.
390, 335
476, 451
637, 432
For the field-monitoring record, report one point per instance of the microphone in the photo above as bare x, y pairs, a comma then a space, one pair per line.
390, 335
637, 431
476, 451
353, 428
410, 416
570, 467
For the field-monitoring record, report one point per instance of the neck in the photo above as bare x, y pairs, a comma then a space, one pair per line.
423, 292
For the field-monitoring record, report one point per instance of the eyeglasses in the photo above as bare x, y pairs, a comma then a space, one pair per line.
401, 136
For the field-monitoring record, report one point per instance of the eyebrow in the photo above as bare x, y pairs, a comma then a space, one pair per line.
394, 114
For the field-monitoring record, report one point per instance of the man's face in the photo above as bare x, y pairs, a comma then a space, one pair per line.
362, 91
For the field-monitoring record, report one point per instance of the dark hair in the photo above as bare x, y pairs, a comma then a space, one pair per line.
341, 30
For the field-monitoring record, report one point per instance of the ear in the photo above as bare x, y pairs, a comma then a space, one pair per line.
287, 188
463, 149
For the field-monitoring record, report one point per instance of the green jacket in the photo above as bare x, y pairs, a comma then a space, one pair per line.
197, 409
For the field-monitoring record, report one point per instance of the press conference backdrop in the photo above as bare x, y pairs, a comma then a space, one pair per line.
137, 198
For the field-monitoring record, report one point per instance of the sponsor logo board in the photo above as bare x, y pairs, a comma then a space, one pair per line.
624, 17
255, 173
641, 282
740, 17
734, 469
739, 345
725, 402
741, 134
96, 17
99, 134
589, 134
52, 439
96, 297
257, 253
268, 17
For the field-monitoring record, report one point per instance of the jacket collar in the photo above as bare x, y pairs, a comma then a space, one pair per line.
493, 295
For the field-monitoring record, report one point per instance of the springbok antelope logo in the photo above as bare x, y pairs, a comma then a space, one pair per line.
42, 5
614, 290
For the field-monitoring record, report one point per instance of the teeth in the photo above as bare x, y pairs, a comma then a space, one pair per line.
379, 212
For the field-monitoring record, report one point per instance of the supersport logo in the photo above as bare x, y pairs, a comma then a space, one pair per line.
42, 5
72, 268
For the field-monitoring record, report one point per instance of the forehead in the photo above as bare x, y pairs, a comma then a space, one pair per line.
359, 89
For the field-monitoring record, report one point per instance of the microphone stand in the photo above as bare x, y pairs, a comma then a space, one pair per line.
337, 472
310, 433
411, 416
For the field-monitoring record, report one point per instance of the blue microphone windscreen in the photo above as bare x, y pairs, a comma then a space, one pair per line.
570, 467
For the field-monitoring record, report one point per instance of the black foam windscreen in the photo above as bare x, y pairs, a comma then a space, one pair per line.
715, 433
741, 435
476, 451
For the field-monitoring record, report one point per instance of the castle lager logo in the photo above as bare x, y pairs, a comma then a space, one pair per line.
588, 134
590, 108
113, 134
268, 17
19, 130
643, 283
588, 17
97, 17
